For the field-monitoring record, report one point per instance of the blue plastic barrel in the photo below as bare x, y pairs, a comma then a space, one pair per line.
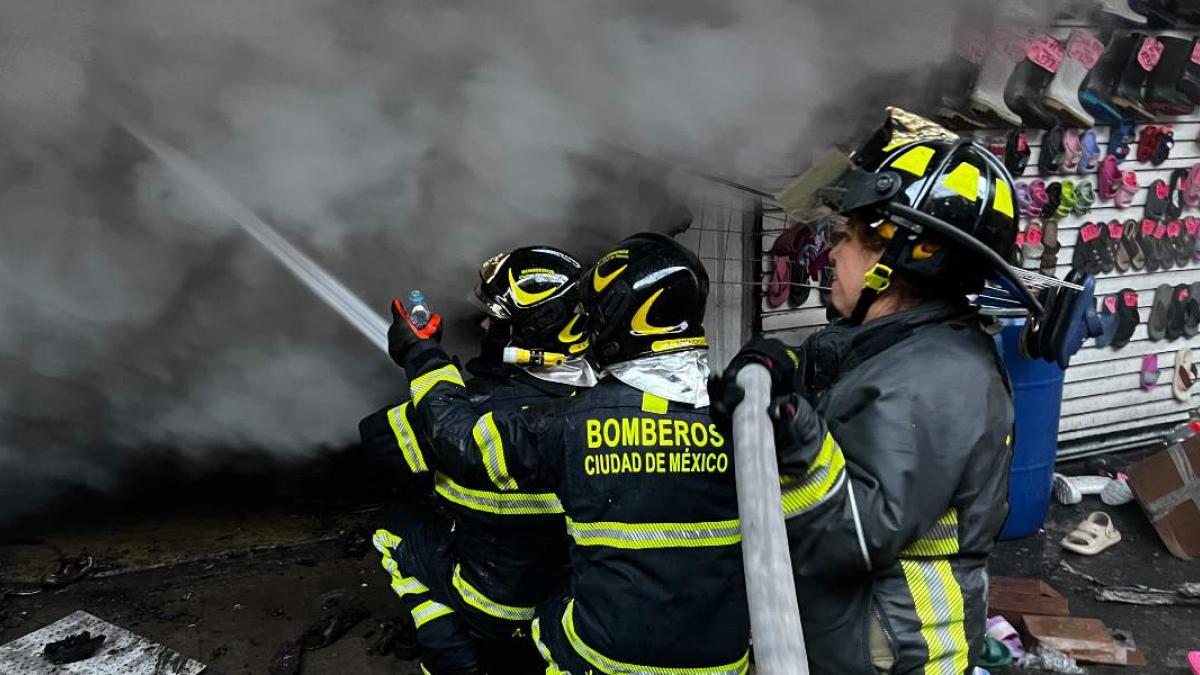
1037, 400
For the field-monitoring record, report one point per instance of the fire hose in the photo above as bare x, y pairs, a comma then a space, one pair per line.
770, 589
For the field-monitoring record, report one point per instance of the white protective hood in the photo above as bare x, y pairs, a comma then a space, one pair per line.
679, 376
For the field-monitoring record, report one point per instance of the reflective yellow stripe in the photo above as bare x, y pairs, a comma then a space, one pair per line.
487, 437
823, 477
385, 542
964, 180
654, 404
423, 383
914, 161
498, 503
614, 667
938, 600
473, 597
655, 535
1003, 201
428, 611
551, 667
939, 541
407, 439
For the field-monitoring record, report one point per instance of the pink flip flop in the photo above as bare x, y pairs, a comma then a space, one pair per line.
1150, 373
1194, 662
1072, 151
1191, 187
1038, 197
1126, 189
1109, 178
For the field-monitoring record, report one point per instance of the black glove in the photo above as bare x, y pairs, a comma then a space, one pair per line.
403, 336
780, 360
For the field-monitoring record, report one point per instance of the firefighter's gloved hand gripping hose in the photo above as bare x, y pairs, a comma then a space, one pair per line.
770, 590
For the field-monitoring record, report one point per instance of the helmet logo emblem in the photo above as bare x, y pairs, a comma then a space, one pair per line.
525, 298
565, 336
601, 282
641, 320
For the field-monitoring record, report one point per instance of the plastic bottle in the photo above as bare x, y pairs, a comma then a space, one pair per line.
419, 314
1182, 432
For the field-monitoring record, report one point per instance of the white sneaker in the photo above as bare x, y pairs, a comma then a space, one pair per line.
1116, 493
1071, 489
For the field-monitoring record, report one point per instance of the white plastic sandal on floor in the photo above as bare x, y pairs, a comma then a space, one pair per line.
1070, 490
1092, 535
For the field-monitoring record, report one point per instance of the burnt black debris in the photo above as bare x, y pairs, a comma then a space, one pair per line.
73, 648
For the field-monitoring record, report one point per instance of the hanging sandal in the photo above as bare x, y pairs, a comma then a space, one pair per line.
1148, 143
1149, 373
1085, 197
1127, 189
1067, 200
1132, 246
1185, 374
1191, 188
1156, 200
1090, 158
1072, 151
1116, 234
1092, 535
1050, 161
1109, 178
1033, 249
1051, 247
1166, 141
1121, 135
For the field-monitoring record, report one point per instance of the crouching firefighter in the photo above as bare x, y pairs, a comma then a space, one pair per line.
644, 477
471, 582
894, 425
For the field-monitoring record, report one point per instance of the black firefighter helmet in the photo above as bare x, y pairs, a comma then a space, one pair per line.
943, 204
646, 296
532, 294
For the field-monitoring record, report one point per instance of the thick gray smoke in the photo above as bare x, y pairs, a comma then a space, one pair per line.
399, 143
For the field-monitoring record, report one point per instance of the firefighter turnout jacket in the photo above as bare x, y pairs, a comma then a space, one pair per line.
647, 486
893, 509
510, 547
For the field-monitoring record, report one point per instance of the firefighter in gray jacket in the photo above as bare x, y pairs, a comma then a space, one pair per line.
894, 426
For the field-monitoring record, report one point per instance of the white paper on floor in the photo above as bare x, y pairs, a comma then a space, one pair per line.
123, 653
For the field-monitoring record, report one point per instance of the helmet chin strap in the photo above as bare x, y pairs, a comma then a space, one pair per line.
879, 277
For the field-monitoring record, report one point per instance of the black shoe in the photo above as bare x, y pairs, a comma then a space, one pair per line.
1096, 92
1162, 94
1129, 91
1024, 94
1189, 79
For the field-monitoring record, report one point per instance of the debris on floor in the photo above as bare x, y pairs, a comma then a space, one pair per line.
73, 648
1084, 640
287, 659
117, 651
69, 571
340, 613
1051, 661
1014, 597
1167, 487
398, 637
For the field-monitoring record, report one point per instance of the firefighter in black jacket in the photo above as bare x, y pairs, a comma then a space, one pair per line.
644, 477
471, 584
894, 426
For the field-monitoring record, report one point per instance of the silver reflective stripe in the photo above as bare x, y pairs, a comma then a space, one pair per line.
428, 611
473, 597
422, 384
497, 503
407, 439
655, 535
491, 446
614, 667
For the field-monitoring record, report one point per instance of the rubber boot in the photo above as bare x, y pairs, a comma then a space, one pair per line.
1095, 94
1189, 79
1120, 11
1083, 51
1030, 78
1162, 94
987, 99
1129, 94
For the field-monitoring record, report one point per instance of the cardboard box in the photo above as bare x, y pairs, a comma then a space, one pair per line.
1167, 485
1014, 597
1085, 640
